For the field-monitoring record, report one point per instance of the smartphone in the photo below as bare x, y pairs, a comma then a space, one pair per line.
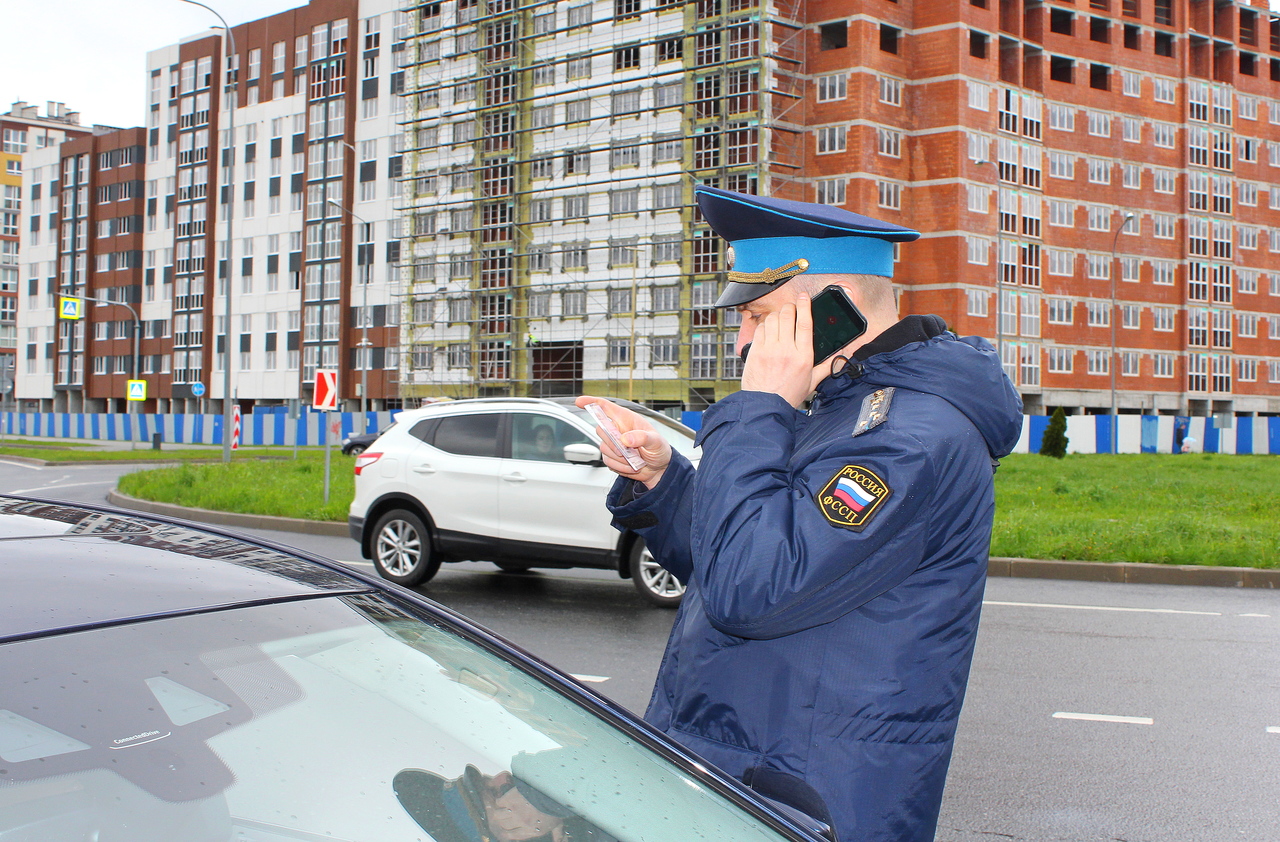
633, 457
836, 322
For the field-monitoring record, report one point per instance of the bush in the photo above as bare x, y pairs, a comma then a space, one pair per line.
1055, 436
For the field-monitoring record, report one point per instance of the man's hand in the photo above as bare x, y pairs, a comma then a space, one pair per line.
781, 358
635, 432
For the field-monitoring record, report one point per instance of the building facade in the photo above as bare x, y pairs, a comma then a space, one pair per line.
1097, 183
24, 130
490, 197
252, 225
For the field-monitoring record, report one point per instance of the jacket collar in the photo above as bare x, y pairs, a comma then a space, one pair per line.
908, 330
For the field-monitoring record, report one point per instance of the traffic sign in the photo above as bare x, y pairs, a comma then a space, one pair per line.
326, 396
235, 426
137, 390
197, 390
70, 308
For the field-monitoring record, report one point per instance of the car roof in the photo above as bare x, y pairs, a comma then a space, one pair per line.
563, 404
142, 567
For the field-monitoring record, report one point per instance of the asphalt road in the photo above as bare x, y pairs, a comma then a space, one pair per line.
1140, 713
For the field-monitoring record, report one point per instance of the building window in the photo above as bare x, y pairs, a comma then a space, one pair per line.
1099, 362
832, 139
626, 58
664, 350
833, 86
1099, 313
667, 196
830, 191
665, 299
573, 303
619, 350
625, 201
1060, 360
833, 36
891, 91
889, 194
889, 142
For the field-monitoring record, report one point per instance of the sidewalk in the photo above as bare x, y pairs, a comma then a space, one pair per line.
1024, 568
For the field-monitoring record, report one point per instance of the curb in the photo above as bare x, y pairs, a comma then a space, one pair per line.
1134, 573
279, 524
1122, 572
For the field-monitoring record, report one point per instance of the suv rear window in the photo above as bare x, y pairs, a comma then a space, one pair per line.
468, 435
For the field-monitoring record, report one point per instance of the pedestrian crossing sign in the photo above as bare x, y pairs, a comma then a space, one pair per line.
70, 308
137, 390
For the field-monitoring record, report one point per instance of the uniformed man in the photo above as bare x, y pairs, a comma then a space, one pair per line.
835, 557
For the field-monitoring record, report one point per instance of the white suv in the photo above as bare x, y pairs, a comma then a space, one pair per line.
515, 481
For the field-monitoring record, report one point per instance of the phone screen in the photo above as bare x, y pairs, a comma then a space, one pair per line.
836, 322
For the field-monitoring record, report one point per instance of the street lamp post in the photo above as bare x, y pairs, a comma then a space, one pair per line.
364, 331
137, 334
1115, 418
228, 93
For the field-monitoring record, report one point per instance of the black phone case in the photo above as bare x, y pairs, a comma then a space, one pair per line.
836, 322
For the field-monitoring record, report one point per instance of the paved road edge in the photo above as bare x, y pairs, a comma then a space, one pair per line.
1018, 568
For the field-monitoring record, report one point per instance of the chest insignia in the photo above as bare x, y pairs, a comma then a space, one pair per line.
875, 409
852, 497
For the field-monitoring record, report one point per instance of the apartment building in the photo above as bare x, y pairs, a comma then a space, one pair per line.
250, 225
24, 130
1097, 183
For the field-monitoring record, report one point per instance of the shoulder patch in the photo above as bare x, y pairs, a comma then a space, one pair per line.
875, 409
852, 497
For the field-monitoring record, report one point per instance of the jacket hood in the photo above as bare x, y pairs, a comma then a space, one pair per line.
965, 372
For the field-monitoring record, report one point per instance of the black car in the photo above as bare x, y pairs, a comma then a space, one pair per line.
357, 443
163, 681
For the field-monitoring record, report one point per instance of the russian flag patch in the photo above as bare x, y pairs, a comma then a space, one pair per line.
852, 497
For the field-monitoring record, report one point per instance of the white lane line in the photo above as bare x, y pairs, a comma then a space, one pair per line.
591, 679
64, 485
1273, 729
1264, 616
1105, 717
23, 465
1103, 608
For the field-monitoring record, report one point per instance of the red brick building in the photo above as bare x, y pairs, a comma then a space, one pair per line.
1117, 160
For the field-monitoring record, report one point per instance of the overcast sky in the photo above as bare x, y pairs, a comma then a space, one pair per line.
91, 54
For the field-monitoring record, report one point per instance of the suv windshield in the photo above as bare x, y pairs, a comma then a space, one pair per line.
348, 718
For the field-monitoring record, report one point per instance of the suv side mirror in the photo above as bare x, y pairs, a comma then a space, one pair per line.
583, 454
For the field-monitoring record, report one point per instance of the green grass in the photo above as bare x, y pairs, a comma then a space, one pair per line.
1206, 509
280, 487
143, 453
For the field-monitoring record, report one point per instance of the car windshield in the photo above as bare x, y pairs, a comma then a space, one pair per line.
338, 718
677, 435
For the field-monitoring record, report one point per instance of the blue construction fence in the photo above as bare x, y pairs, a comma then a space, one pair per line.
263, 426
1141, 434
272, 426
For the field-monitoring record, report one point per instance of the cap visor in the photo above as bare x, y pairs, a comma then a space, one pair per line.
735, 294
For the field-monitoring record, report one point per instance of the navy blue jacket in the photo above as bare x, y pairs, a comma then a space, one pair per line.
835, 569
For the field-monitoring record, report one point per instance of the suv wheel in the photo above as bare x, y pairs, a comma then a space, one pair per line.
654, 582
402, 549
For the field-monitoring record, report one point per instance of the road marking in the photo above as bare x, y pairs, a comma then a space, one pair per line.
1273, 729
1105, 717
591, 679
1264, 616
23, 465
64, 485
1103, 608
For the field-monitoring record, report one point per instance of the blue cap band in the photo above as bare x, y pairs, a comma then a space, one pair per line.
826, 256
